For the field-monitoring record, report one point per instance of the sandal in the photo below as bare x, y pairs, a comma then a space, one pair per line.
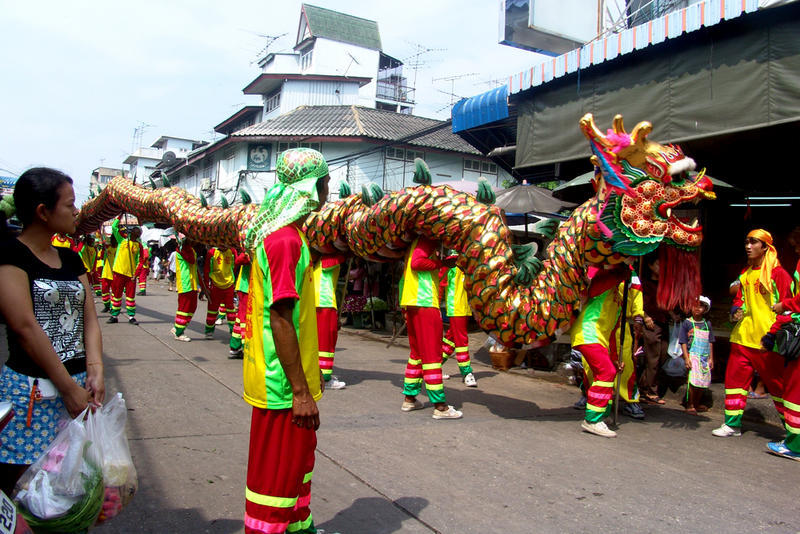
754, 395
702, 408
691, 411
652, 399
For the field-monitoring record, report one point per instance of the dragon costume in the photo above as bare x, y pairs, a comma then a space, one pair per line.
514, 296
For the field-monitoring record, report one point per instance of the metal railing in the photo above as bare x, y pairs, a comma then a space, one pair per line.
395, 92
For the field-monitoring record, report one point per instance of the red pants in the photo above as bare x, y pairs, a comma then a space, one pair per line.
600, 392
105, 290
457, 340
119, 284
279, 468
742, 362
96, 281
187, 304
327, 333
425, 360
241, 320
220, 298
141, 276
791, 404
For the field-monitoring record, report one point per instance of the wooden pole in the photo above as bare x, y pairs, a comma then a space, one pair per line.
620, 348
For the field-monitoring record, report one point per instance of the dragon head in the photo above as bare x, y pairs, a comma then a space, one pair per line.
640, 186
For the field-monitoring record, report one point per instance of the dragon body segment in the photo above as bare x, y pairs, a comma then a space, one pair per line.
638, 183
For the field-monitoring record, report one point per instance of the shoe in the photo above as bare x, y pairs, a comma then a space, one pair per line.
754, 395
702, 408
335, 383
218, 321
132, 320
209, 335
779, 448
235, 354
449, 413
470, 381
651, 399
632, 409
112, 320
691, 411
581, 404
726, 432
411, 406
445, 376
106, 307
598, 429
182, 337
142, 293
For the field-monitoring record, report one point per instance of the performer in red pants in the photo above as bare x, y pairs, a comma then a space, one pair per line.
186, 286
219, 277
419, 295
326, 276
242, 283
761, 285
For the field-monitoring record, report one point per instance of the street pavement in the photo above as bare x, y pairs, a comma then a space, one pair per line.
516, 463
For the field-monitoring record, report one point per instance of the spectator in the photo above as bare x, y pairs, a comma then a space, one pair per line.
55, 368
697, 344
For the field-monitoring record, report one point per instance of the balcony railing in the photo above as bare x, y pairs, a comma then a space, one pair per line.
395, 92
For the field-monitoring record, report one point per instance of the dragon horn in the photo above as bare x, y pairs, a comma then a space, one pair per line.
592, 133
641, 131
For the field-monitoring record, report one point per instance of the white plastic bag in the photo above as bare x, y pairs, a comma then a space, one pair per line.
674, 347
106, 429
58, 479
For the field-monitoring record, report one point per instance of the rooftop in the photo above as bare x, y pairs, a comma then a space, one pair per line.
337, 26
360, 122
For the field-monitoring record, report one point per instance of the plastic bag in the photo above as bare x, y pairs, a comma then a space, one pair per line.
674, 347
62, 490
106, 429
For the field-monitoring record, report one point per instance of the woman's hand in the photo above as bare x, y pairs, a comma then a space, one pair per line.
95, 383
648, 322
76, 400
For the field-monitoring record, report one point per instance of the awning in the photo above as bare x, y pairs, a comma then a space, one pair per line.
481, 109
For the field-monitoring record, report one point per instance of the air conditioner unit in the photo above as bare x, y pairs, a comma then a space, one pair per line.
205, 185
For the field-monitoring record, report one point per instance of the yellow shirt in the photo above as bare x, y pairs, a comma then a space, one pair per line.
758, 315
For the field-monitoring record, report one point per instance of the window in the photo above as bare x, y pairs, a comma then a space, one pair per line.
287, 146
411, 155
394, 153
305, 58
484, 167
272, 102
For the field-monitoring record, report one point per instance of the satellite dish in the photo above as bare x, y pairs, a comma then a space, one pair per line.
169, 158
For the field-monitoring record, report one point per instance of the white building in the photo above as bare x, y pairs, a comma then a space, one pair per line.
339, 93
145, 160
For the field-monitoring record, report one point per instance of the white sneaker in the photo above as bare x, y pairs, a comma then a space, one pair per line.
182, 337
335, 383
445, 376
219, 320
449, 413
726, 431
470, 381
411, 406
598, 429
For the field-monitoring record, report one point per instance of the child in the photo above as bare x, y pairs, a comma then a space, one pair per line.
697, 344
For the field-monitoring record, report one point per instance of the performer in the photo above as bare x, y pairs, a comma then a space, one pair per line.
62, 241
457, 309
281, 369
591, 335
108, 272
628, 390
142, 270
88, 253
790, 446
97, 268
186, 284
219, 277
419, 296
242, 281
761, 285
326, 276
125, 261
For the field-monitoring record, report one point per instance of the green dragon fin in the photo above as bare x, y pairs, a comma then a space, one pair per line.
422, 174
485, 193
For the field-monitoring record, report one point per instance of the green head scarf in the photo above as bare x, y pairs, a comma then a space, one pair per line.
293, 196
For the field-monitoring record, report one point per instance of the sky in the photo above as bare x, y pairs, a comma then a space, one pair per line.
80, 78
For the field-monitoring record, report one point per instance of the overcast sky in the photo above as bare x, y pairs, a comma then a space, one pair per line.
80, 77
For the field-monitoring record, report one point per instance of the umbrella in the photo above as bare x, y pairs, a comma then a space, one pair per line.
580, 189
530, 199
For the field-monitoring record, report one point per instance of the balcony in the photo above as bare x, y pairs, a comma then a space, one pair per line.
389, 90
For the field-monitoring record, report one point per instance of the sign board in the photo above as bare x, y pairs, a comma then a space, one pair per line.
258, 156
7, 184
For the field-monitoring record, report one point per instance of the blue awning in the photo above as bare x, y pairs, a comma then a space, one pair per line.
481, 109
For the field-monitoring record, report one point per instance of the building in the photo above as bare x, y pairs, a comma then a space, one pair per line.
337, 92
164, 151
362, 145
101, 176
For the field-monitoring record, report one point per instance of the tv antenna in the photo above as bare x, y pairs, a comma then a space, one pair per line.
414, 62
497, 82
452, 80
138, 133
270, 40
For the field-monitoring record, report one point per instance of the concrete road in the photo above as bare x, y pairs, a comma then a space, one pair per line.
517, 461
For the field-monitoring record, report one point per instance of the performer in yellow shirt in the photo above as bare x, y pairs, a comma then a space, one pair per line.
125, 262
